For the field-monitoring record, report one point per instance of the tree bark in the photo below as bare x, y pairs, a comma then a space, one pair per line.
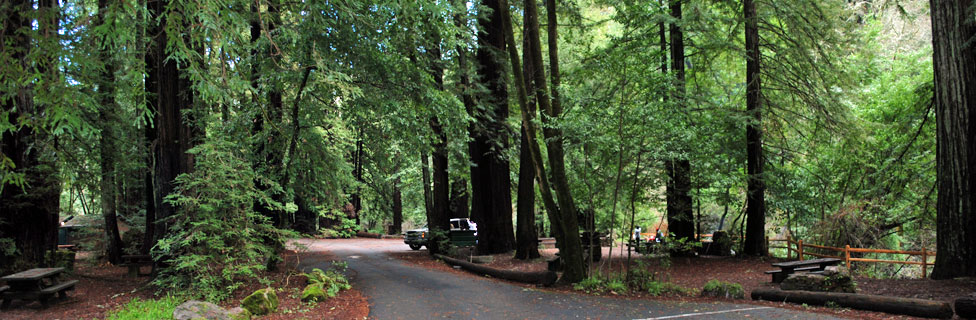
150, 133
28, 213
526, 236
953, 29
397, 207
755, 242
459, 198
680, 219
491, 196
108, 150
173, 95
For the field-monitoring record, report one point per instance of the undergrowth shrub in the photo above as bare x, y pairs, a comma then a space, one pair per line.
153, 309
215, 240
591, 284
722, 289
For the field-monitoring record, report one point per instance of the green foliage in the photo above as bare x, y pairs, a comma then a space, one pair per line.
324, 285
344, 227
591, 284
153, 309
616, 285
717, 288
657, 288
216, 240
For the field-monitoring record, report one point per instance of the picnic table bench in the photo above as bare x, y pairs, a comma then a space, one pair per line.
35, 284
136, 262
789, 267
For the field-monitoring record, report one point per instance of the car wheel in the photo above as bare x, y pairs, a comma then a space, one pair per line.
415, 246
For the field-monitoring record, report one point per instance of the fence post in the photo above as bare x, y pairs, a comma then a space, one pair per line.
925, 261
799, 250
789, 252
767, 245
847, 256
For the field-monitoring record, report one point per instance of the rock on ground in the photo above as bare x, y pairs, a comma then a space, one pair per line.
195, 310
833, 279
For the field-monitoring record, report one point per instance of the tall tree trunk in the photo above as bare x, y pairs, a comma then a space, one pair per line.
28, 215
397, 206
571, 249
459, 198
680, 220
357, 201
425, 178
755, 241
107, 121
953, 29
491, 184
526, 236
173, 96
152, 145
272, 165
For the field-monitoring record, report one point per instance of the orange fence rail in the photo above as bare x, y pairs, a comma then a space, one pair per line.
797, 246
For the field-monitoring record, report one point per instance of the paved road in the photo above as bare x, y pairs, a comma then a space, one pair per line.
398, 290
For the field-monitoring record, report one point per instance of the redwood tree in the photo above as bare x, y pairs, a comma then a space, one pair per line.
755, 242
680, 221
491, 198
953, 31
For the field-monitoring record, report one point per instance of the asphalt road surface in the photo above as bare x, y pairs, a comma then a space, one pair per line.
398, 290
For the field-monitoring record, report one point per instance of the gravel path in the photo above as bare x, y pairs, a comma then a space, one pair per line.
397, 290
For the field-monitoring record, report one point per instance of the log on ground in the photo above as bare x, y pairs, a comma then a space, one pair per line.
364, 234
966, 307
545, 278
906, 306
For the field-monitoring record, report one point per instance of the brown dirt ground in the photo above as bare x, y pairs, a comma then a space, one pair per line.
693, 273
103, 287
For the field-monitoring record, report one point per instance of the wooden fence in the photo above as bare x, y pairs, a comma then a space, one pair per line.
797, 246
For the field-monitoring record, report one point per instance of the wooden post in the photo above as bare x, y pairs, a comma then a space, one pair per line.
847, 255
767, 245
789, 248
799, 250
925, 261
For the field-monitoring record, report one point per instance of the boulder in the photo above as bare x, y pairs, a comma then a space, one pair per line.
833, 279
314, 292
239, 313
197, 310
261, 302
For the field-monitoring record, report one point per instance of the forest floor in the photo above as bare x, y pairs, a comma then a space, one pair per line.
693, 273
103, 287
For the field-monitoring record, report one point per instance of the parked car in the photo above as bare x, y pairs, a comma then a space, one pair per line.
417, 238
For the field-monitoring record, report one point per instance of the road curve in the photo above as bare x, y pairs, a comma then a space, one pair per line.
398, 290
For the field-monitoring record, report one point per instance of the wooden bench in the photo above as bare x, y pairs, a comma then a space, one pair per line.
136, 262
60, 288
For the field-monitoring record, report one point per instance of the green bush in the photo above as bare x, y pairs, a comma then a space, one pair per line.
716, 288
330, 283
658, 288
592, 284
261, 302
616, 285
216, 241
138, 309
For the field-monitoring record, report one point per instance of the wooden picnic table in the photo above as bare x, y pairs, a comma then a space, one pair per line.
136, 262
35, 284
789, 267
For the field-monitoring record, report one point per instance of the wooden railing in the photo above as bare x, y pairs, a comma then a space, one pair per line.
797, 246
